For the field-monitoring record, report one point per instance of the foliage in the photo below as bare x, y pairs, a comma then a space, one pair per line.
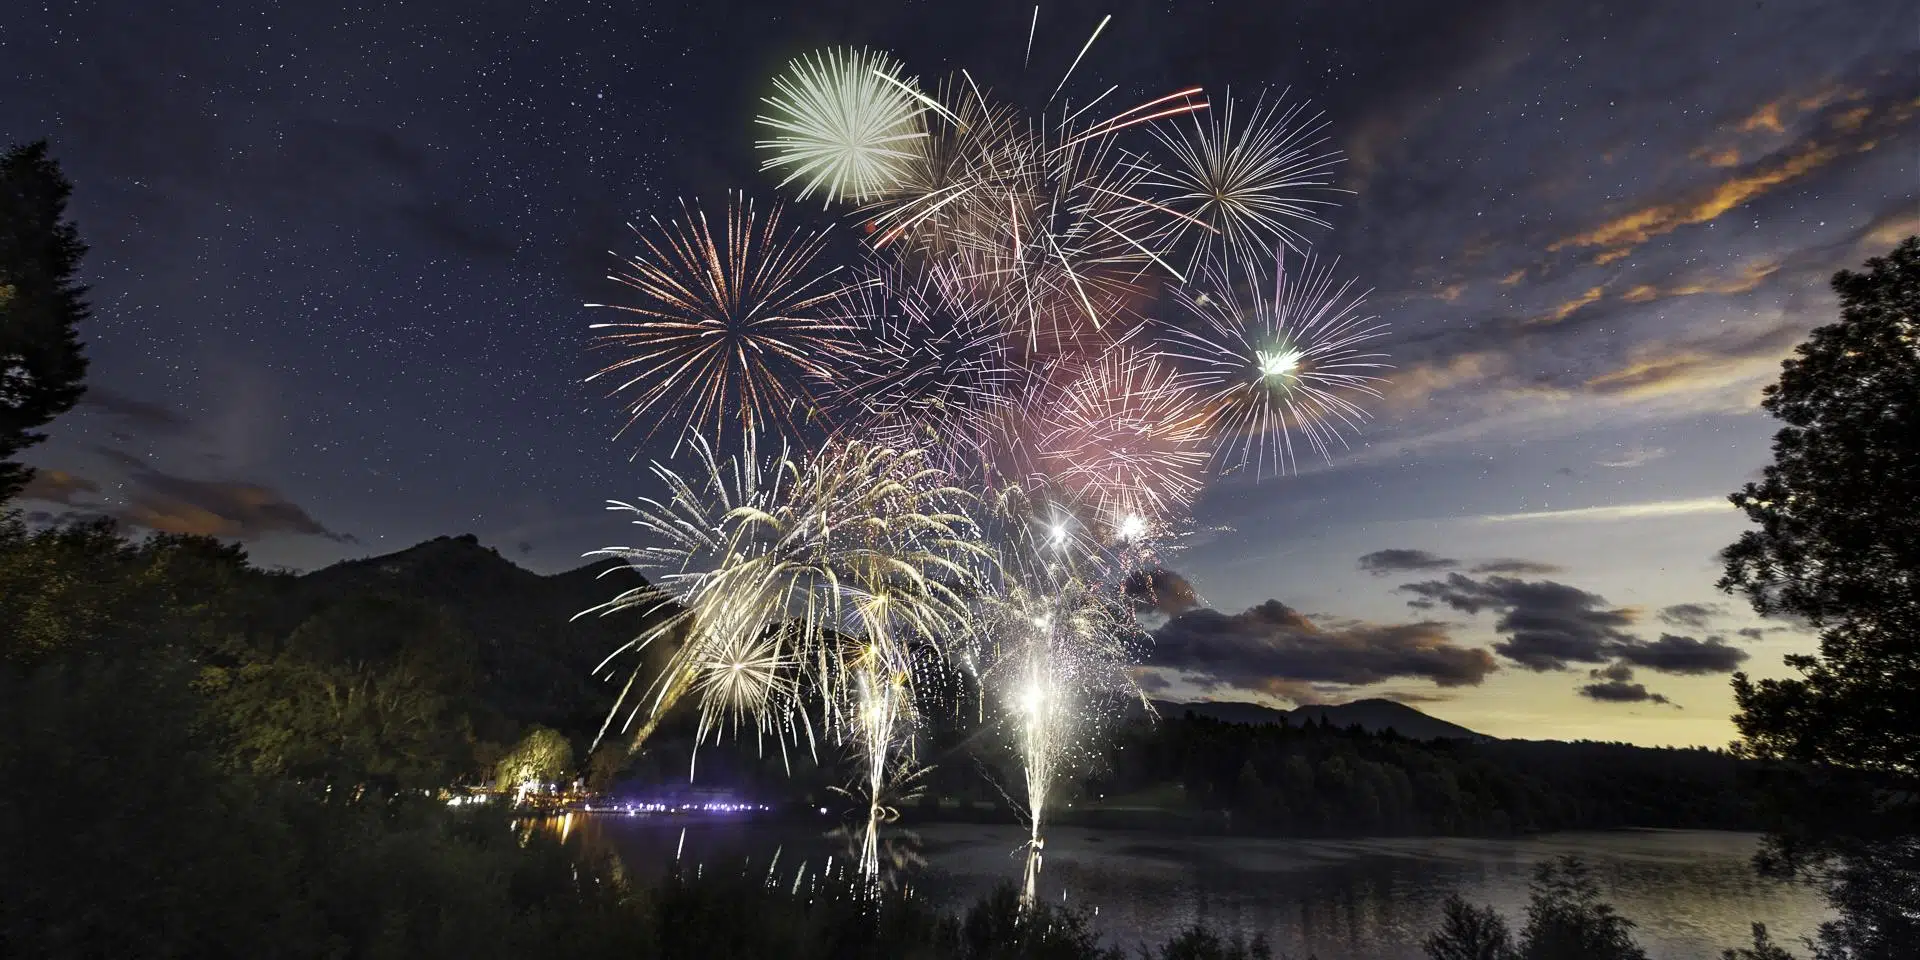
369, 691
1468, 932
1199, 943
83, 586
542, 755
41, 304
1838, 546
1567, 920
1763, 948
1839, 540
1317, 780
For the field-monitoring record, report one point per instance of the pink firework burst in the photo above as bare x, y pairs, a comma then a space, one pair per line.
1128, 436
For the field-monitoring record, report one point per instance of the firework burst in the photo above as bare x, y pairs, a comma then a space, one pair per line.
1246, 180
776, 557
1277, 356
728, 323
1130, 439
844, 124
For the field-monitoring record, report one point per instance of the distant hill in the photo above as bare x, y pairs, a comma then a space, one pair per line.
535, 660
1373, 715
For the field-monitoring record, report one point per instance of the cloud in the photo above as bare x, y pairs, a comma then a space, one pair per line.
1271, 645
1396, 560
1615, 685
1415, 696
1516, 566
1639, 226
1717, 157
1888, 229
1757, 633
1749, 277
1631, 458
1693, 615
1659, 368
1160, 590
1841, 130
1151, 681
57, 486
167, 503
1684, 655
1623, 511
1552, 626
1412, 386
1568, 308
1618, 691
1548, 625
141, 414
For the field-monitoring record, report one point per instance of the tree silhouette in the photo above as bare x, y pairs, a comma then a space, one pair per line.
41, 304
1468, 932
1839, 538
1839, 547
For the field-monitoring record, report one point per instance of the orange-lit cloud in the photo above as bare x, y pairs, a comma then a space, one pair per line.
1723, 157
1663, 369
1413, 386
1748, 278
1569, 308
57, 486
1766, 118
1852, 120
1514, 277
1648, 222
155, 500
1891, 232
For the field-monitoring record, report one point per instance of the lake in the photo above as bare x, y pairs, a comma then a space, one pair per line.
1692, 893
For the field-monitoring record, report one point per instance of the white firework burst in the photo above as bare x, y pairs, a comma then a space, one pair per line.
1249, 178
844, 124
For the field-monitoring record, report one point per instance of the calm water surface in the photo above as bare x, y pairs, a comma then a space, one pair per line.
1693, 893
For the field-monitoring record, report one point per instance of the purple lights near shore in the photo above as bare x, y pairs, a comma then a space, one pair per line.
637, 807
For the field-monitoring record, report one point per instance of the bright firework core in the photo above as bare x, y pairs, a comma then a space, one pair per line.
1279, 363
1033, 699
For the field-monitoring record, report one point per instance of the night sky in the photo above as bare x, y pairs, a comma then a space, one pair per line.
339, 259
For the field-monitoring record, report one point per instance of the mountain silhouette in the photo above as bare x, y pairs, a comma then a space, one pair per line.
1373, 715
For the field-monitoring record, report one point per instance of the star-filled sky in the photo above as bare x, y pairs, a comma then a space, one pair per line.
340, 251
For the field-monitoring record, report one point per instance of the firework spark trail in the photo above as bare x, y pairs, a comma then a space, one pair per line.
730, 322
881, 725
1277, 355
1058, 649
933, 370
1049, 220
